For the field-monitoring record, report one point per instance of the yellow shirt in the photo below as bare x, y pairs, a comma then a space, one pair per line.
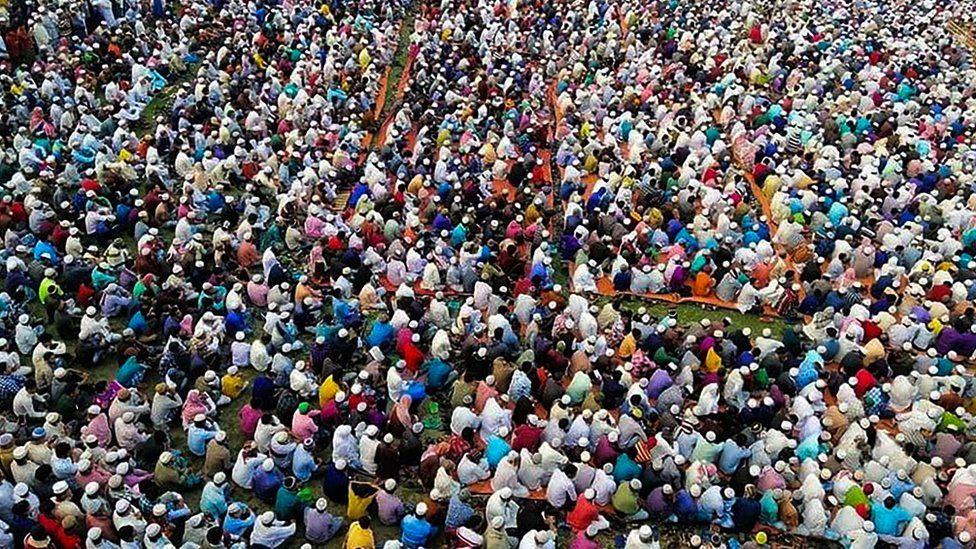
488, 153
359, 538
232, 385
358, 506
364, 58
712, 361
327, 391
627, 346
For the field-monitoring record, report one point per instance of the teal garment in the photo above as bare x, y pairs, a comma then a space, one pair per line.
578, 390
796, 206
905, 92
287, 504
496, 450
216, 299
625, 469
130, 373
769, 513
270, 237
842, 125
945, 366
138, 324
459, 235
712, 135
888, 522
705, 451
100, 279
329, 331
809, 448
837, 213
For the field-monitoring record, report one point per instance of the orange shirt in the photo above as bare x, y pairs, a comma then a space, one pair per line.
702, 285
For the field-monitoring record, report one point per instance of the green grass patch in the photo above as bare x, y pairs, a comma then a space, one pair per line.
399, 64
688, 313
162, 102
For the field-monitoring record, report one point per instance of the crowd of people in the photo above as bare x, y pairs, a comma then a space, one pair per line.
390, 274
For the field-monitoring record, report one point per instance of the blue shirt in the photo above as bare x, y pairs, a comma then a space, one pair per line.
416, 531
731, 456
380, 334
888, 522
625, 469
130, 373
303, 464
266, 484
438, 372
235, 526
197, 439
496, 451
458, 513
213, 500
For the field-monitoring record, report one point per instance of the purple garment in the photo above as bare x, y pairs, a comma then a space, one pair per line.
677, 279
659, 381
320, 527
921, 315
605, 452
375, 417
947, 340
657, 505
389, 508
317, 353
707, 343
951, 340
946, 447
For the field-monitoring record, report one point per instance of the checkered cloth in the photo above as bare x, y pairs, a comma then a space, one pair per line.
875, 400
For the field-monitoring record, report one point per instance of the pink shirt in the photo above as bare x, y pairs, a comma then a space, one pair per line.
257, 293
99, 427
303, 425
249, 420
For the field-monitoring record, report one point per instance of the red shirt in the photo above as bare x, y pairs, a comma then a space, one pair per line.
458, 447
940, 292
865, 381
582, 515
871, 330
527, 437
755, 34
413, 356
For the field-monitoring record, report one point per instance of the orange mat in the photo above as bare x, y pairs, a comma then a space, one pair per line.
377, 111
484, 488
380, 137
604, 287
392, 288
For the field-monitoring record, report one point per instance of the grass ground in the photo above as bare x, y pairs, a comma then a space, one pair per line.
162, 102
687, 313
399, 64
